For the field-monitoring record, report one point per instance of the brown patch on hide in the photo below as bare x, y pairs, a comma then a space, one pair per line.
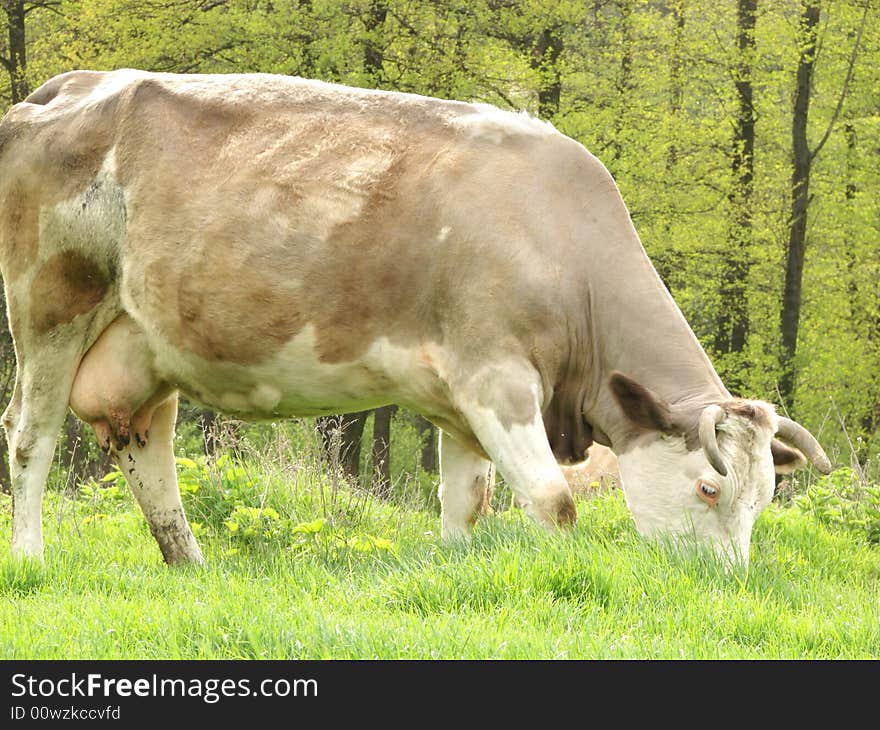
52, 149
68, 284
19, 229
222, 212
246, 331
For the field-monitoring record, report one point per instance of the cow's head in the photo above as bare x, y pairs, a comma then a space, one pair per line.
705, 471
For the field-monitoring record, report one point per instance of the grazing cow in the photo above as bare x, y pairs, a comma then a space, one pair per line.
272, 246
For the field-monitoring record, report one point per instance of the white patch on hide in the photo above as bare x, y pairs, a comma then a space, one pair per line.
522, 454
464, 479
265, 397
92, 221
296, 382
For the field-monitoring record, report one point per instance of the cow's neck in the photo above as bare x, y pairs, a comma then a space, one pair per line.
638, 329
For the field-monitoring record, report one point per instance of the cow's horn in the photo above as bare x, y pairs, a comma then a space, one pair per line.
709, 418
800, 438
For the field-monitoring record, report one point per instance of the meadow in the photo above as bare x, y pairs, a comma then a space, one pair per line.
743, 137
302, 565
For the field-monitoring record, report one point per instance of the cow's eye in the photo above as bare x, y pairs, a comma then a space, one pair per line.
708, 492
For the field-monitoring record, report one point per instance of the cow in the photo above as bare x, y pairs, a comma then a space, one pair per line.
272, 246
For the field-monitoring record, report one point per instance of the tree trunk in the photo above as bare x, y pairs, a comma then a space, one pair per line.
545, 54
800, 199
733, 320
624, 81
428, 435
670, 261
16, 63
341, 436
675, 86
382, 451
374, 56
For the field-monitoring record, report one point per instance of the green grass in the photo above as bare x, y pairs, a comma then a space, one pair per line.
324, 572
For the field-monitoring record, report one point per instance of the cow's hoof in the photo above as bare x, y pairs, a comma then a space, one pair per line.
566, 511
555, 510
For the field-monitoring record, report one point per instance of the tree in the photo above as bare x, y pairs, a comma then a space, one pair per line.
382, 450
802, 162
733, 313
15, 59
341, 438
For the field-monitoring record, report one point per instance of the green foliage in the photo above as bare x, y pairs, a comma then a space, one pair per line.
411, 485
212, 490
842, 499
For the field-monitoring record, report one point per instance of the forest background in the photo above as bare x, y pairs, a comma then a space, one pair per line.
744, 136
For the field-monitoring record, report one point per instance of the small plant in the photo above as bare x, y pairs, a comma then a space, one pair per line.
842, 499
111, 489
369, 544
100, 499
255, 525
211, 491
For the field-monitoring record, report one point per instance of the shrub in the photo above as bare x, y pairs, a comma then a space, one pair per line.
844, 499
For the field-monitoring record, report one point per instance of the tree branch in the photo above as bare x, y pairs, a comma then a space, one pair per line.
849, 73
44, 4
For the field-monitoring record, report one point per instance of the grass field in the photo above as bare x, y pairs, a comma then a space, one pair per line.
300, 566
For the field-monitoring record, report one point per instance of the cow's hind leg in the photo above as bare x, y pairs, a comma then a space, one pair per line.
32, 422
465, 480
150, 472
502, 405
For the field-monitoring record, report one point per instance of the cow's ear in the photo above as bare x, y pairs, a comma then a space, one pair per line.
642, 407
785, 458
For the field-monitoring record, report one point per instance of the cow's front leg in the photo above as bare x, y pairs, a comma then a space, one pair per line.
150, 472
502, 405
465, 484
